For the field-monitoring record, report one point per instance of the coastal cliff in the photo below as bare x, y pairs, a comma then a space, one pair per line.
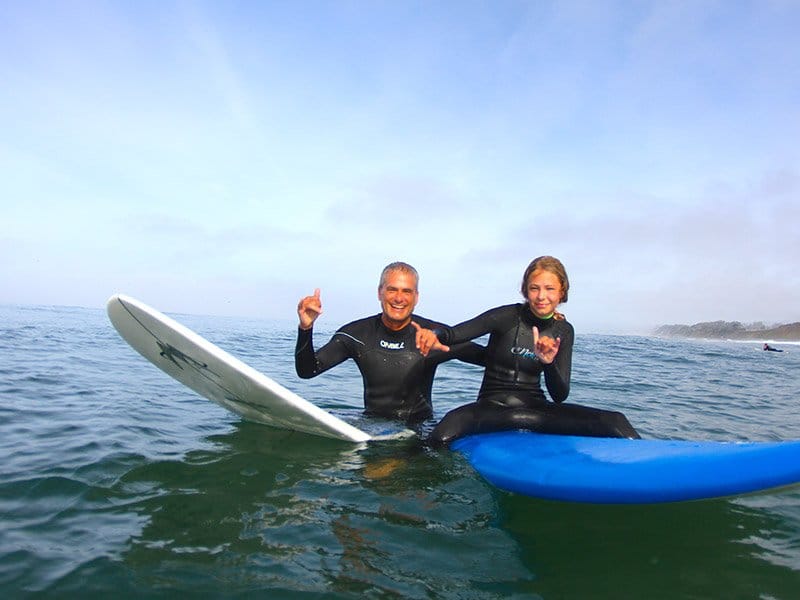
732, 330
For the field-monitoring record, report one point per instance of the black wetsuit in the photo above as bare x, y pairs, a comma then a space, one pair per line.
397, 378
511, 396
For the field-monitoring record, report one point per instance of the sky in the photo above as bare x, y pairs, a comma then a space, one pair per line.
227, 158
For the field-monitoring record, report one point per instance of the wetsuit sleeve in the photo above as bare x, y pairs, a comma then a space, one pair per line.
308, 363
468, 330
469, 352
557, 375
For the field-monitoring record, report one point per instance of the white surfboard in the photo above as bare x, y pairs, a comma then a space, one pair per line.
215, 374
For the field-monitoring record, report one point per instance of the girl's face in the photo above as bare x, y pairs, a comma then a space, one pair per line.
544, 293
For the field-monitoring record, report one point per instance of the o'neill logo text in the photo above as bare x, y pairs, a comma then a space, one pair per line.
392, 345
523, 352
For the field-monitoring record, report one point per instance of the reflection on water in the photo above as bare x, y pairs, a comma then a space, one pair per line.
321, 515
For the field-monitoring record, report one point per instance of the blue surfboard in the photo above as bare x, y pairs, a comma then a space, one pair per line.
622, 471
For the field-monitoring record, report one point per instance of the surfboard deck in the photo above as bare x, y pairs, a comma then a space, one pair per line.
622, 471
213, 373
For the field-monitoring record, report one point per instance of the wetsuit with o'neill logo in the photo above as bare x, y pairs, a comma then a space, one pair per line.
511, 396
397, 378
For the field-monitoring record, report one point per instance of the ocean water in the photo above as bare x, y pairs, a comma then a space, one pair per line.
116, 481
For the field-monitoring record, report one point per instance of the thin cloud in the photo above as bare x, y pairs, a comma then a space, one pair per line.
401, 200
220, 67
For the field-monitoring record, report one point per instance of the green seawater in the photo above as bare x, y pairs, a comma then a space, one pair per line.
116, 481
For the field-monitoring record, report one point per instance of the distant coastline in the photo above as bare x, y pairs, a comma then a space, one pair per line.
732, 330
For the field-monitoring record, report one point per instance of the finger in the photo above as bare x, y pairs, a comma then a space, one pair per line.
309, 303
420, 340
316, 293
435, 345
535, 335
423, 343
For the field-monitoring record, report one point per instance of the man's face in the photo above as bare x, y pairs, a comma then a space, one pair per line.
398, 296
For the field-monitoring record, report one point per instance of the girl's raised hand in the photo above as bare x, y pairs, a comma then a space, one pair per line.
545, 347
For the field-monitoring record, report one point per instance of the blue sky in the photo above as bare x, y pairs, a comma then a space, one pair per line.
229, 157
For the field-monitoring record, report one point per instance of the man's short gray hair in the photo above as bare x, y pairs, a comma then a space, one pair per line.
398, 266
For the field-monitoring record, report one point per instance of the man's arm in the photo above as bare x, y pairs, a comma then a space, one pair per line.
309, 363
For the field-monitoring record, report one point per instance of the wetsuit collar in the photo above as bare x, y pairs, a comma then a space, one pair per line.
391, 328
528, 317
535, 316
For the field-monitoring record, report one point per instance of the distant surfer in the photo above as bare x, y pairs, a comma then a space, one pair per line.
397, 378
769, 348
525, 341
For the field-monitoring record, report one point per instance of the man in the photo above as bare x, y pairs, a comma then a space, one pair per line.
397, 378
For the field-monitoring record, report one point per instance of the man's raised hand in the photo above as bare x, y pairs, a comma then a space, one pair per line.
308, 309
